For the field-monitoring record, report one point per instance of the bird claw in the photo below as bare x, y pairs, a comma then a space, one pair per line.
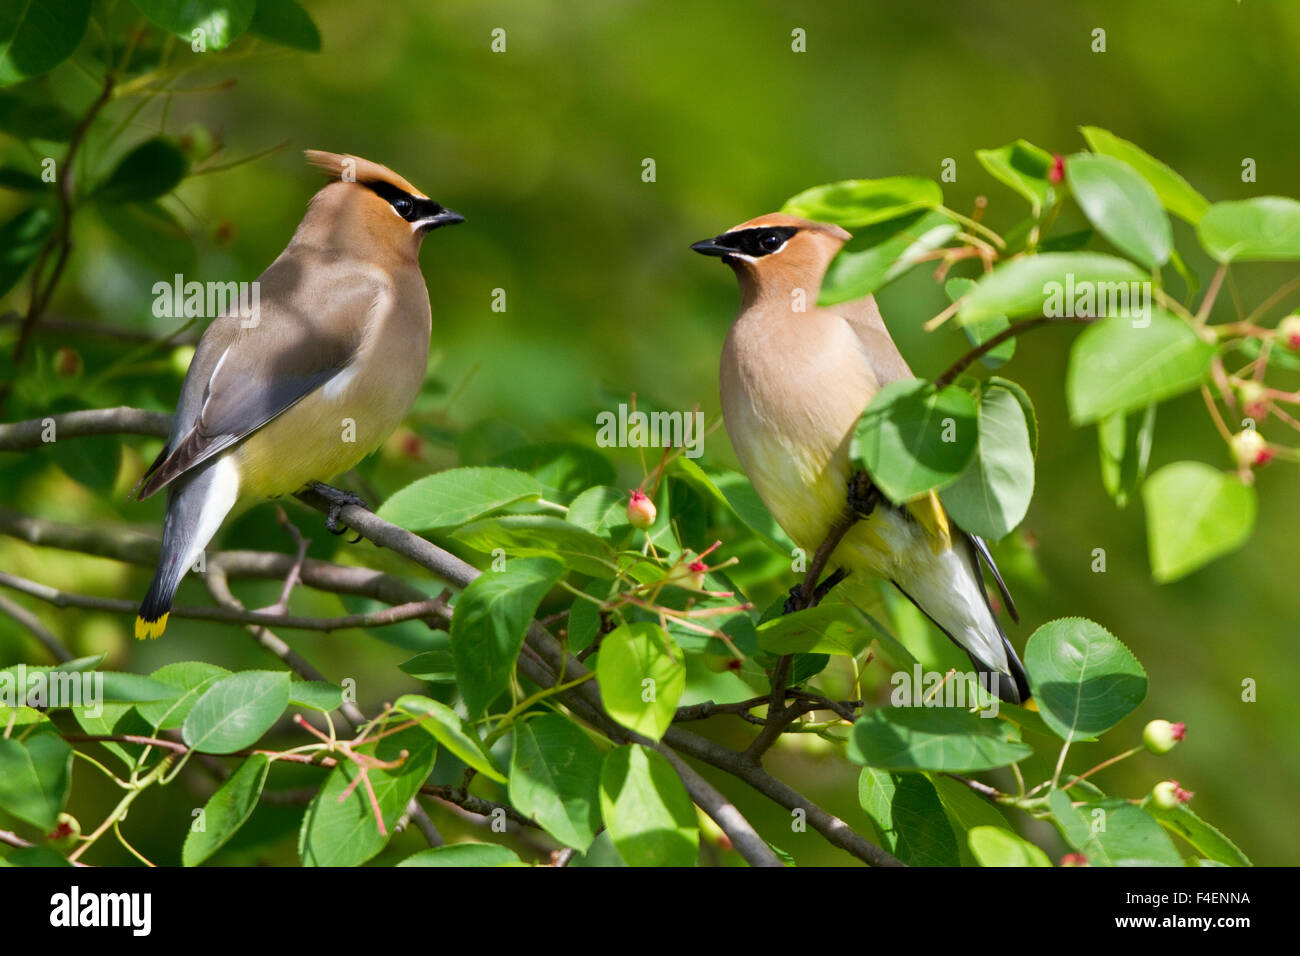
338, 499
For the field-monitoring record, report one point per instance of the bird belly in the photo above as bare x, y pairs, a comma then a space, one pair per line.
326, 433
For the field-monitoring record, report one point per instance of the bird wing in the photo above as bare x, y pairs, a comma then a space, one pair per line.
863, 316
982, 549
241, 378
888, 365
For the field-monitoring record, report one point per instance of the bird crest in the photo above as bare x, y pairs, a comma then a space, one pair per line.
344, 167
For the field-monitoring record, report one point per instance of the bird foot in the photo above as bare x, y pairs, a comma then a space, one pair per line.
338, 499
863, 495
796, 600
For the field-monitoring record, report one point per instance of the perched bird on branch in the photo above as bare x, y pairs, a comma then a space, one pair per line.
795, 379
313, 380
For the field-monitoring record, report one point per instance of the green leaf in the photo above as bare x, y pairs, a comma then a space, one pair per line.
934, 738
218, 22
1264, 228
452, 732
980, 332
38, 35
828, 628
1175, 193
489, 624
966, 810
913, 437
584, 616
1207, 839
227, 810
192, 679
344, 832
91, 461
1050, 283
316, 695
1122, 206
533, 536
21, 239
1116, 366
1022, 166
992, 495
735, 491
1195, 514
641, 676
106, 720
30, 112
118, 686
436, 666
35, 776
235, 711
464, 854
1085, 680
555, 779
861, 202
908, 817
1067, 241
1027, 406
451, 498
648, 813
287, 23
563, 468
1113, 832
996, 846
151, 235
600, 510
859, 272
1124, 452
152, 169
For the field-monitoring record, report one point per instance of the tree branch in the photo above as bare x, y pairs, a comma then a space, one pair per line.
417, 610
543, 661
988, 345
22, 436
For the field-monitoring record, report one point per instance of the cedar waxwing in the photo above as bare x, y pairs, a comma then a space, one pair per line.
311, 384
794, 384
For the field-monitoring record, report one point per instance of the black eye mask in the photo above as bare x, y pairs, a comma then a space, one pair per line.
411, 208
758, 242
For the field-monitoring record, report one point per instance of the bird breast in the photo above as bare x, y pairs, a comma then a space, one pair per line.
793, 387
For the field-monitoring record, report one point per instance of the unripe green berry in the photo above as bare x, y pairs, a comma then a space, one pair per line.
1160, 736
1288, 331
1167, 795
66, 833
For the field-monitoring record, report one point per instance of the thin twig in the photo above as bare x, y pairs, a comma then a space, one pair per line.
418, 610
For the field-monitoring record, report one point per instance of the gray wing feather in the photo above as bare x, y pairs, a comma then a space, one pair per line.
863, 316
241, 378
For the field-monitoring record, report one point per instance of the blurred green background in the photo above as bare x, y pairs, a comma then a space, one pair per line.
542, 146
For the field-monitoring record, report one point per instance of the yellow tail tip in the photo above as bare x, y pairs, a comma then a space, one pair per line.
144, 629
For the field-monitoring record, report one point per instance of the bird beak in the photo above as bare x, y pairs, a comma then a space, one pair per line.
711, 247
447, 217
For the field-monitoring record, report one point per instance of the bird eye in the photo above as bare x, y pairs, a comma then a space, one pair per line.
770, 241
403, 207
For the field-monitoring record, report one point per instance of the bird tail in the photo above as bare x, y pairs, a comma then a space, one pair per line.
197, 502
949, 590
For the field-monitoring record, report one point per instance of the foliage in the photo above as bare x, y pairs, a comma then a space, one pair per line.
661, 616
